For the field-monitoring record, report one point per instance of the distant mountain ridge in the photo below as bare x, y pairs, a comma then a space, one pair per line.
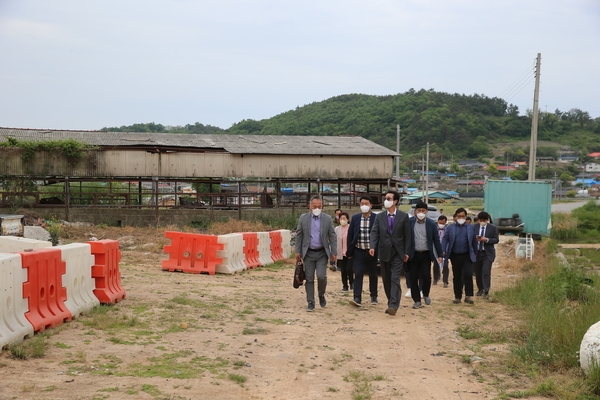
456, 124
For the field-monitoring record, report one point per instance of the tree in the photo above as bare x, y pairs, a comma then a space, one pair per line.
565, 178
493, 169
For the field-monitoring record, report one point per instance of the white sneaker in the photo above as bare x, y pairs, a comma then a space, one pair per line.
407, 293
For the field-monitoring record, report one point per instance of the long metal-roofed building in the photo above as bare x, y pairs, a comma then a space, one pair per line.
150, 169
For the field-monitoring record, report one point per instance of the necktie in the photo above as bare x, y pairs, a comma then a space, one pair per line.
482, 234
391, 221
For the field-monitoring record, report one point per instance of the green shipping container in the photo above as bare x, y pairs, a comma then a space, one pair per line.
531, 200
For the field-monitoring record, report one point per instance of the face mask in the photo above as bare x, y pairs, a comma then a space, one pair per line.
365, 209
483, 223
388, 203
343, 222
461, 221
337, 217
441, 226
421, 216
316, 212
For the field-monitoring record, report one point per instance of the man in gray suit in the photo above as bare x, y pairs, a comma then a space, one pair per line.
487, 238
316, 242
391, 237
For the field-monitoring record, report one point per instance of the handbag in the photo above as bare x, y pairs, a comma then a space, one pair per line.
299, 276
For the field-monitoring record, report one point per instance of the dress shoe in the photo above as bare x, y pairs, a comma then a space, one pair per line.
456, 301
445, 285
479, 293
417, 304
428, 300
344, 289
311, 307
356, 303
435, 282
391, 311
374, 301
486, 296
469, 300
322, 301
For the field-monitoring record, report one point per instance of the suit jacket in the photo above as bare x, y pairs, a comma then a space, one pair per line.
328, 238
397, 242
339, 235
491, 232
354, 232
433, 239
450, 236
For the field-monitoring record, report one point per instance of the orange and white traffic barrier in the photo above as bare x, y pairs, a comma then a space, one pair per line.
251, 249
78, 279
232, 255
286, 245
192, 253
264, 248
13, 244
276, 250
14, 327
105, 271
44, 289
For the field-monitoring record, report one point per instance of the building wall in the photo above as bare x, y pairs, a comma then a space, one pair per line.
139, 163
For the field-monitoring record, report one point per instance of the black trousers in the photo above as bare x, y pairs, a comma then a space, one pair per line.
462, 271
345, 266
420, 271
362, 262
483, 272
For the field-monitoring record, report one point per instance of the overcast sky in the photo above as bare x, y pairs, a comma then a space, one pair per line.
90, 64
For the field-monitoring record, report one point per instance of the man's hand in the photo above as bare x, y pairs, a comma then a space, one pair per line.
406, 258
298, 258
372, 252
333, 259
440, 260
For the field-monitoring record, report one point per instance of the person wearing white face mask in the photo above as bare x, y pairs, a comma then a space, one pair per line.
344, 264
390, 236
442, 220
315, 244
459, 244
424, 249
487, 238
359, 234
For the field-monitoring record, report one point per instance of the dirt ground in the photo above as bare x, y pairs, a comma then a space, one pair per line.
254, 340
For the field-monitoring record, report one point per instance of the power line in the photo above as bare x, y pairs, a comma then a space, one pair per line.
519, 84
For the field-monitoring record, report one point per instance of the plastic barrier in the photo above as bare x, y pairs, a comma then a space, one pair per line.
43, 290
13, 244
251, 249
286, 242
276, 250
14, 327
192, 253
78, 277
232, 255
264, 248
106, 271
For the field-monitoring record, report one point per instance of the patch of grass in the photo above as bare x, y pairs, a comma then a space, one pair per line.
34, 347
363, 389
239, 379
60, 345
177, 365
254, 331
152, 390
113, 389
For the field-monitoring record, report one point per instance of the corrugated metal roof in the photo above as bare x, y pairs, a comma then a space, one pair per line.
235, 144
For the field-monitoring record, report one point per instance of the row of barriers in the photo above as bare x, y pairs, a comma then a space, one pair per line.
43, 286
225, 254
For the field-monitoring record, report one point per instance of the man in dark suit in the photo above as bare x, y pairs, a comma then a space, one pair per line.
487, 238
459, 245
359, 234
424, 249
315, 244
390, 236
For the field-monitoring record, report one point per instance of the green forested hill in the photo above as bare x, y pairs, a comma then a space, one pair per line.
455, 124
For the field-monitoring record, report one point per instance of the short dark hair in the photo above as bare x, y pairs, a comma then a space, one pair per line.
368, 198
484, 215
395, 193
459, 210
337, 209
469, 218
345, 214
442, 218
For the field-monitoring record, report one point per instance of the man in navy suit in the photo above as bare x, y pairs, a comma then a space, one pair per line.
359, 234
316, 242
390, 236
424, 249
459, 244
487, 238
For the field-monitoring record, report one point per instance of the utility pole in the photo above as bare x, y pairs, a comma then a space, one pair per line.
534, 120
397, 151
427, 177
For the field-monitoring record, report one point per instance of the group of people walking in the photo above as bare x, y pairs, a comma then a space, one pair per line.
397, 242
